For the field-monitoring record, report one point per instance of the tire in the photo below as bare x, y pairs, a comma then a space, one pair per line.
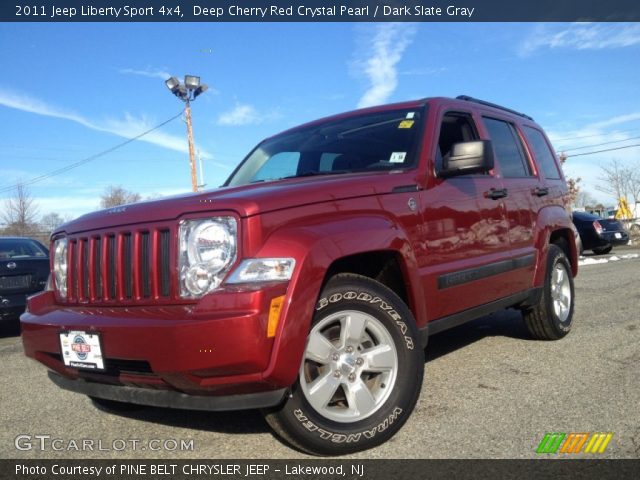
603, 250
113, 406
361, 371
551, 318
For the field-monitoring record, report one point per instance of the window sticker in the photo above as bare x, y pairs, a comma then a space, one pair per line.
398, 157
410, 115
406, 124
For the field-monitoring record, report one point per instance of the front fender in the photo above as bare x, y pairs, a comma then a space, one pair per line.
315, 248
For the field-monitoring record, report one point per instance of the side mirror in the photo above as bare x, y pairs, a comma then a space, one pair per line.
466, 158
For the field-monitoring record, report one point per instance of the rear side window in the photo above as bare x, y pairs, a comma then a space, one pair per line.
508, 148
544, 156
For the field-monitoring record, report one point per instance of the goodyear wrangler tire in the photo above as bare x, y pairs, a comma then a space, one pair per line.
361, 373
552, 317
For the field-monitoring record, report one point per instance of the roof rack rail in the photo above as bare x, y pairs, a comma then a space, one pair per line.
489, 104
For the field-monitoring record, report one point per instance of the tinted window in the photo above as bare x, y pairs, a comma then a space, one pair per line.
455, 128
374, 141
283, 164
20, 248
544, 156
508, 148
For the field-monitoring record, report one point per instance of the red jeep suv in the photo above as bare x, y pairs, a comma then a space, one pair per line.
308, 284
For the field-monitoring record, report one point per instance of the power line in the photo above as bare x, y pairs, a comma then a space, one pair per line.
88, 159
599, 144
605, 150
594, 135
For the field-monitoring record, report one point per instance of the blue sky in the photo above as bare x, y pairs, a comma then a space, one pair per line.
68, 91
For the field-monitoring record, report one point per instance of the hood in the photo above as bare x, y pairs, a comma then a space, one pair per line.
246, 200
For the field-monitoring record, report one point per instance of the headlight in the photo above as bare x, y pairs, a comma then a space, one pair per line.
207, 251
263, 270
60, 266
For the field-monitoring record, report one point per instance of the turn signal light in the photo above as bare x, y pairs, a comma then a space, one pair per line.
274, 315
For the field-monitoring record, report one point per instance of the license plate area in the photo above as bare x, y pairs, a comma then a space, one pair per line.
13, 282
81, 349
617, 235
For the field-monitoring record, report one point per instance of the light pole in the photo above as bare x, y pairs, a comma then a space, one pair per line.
188, 92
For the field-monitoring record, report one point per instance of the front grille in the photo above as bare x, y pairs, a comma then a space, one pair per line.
120, 267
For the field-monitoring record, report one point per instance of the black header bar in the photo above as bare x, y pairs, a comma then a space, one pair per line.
319, 11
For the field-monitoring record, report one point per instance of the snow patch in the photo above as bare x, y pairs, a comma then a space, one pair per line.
613, 258
592, 261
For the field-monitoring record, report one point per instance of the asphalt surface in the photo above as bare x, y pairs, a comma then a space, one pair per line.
489, 392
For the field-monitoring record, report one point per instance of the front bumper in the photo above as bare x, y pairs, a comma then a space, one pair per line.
169, 398
217, 347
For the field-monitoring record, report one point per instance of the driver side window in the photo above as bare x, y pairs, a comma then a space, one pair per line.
456, 127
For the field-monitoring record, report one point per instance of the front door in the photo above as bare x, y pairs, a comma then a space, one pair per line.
465, 231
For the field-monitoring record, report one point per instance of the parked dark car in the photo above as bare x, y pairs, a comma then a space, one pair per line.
599, 234
24, 269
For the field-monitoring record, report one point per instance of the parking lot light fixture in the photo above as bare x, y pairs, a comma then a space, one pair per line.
172, 84
191, 82
188, 92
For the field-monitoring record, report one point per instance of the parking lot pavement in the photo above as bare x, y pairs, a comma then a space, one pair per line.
488, 391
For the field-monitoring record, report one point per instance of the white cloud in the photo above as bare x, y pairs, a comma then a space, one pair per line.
242, 114
630, 117
126, 127
379, 63
582, 36
147, 72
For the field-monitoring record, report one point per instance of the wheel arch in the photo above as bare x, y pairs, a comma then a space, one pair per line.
554, 226
381, 251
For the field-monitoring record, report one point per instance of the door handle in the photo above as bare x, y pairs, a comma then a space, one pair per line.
540, 191
496, 193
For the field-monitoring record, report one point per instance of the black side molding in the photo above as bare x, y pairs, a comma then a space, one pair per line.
459, 277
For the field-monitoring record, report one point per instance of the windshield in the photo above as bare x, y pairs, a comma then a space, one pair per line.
20, 248
369, 142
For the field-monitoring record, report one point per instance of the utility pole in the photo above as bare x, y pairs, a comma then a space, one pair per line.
192, 155
188, 92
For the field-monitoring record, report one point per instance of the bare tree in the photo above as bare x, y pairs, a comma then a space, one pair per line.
633, 182
115, 195
572, 183
51, 221
19, 213
615, 179
584, 199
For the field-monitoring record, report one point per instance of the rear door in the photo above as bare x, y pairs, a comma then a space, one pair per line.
521, 183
